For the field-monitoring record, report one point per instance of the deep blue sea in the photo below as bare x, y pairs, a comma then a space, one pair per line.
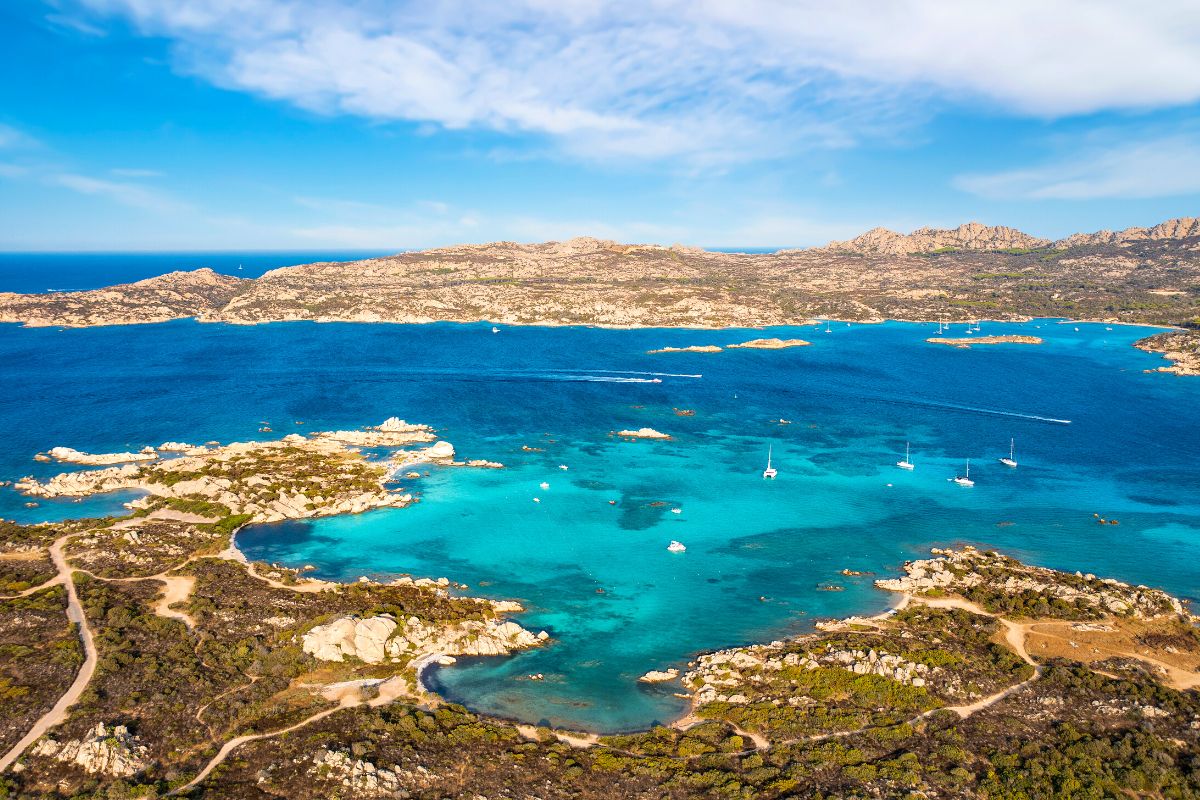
598, 576
68, 272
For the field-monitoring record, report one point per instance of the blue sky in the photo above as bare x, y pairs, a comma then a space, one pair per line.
240, 124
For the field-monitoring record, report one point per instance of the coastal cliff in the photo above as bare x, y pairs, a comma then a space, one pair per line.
974, 271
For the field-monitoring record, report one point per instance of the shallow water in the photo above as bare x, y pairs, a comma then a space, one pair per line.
598, 576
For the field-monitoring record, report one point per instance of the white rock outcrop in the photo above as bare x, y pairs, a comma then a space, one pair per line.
643, 433
377, 639
104, 751
660, 676
364, 639
73, 456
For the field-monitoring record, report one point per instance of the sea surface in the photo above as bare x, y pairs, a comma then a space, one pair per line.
71, 272
1094, 434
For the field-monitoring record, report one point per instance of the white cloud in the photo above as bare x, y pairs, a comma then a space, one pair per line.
10, 137
708, 80
1153, 167
123, 192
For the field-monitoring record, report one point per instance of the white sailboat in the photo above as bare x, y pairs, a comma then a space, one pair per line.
907, 462
827, 328
770, 472
964, 480
1011, 461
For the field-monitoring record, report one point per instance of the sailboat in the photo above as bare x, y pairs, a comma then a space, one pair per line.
977, 328
906, 463
770, 472
1011, 461
827, 328
964, 480
941, 328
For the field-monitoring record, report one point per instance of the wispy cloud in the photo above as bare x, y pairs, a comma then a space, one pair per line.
1147, 167
11, 138
708, 81
127, 172
124, 192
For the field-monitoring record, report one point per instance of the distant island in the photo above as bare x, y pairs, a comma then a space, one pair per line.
968, 341
1139, 275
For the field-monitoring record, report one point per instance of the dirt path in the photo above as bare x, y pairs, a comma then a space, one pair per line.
164, 514
231, 553
238, 741
58, 713
176, 589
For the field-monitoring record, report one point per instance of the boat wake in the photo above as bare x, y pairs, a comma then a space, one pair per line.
976, 410
630, 372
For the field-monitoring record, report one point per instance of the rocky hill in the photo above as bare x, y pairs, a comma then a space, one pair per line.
971, 236
1182, 228
171, 296
971, 272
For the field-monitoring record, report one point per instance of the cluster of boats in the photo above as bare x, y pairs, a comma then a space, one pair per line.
906, 463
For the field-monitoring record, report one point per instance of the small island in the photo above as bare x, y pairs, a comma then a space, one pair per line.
695, 348
774, 343
643, 433
967, 342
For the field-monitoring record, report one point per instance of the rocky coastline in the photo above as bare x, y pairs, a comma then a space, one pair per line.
965, 273
1180, 348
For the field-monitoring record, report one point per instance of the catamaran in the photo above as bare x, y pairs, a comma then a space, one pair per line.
1011, 461
907, 462
770, 472
964, 480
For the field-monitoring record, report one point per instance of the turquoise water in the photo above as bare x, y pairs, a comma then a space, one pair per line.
598, 576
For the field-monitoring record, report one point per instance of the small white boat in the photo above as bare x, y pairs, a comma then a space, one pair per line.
544, 485
964, 480
827, 328
1011, 461
495, 329
676, 547
537, 499
563, 467
770, 472
907, 462
941, 328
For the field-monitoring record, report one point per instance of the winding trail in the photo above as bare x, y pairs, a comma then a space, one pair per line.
238, 741
57, 714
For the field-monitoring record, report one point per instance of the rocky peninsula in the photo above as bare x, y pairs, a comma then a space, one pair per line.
1180, 348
